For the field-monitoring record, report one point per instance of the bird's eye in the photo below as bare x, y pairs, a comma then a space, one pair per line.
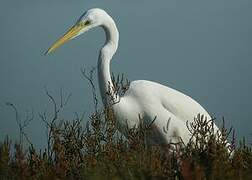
87, 23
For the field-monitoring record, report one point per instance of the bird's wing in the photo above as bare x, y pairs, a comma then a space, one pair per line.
175, 102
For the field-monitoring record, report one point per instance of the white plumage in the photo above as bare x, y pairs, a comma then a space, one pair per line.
146, 99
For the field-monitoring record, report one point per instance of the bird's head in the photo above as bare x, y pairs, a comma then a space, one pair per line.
90, 19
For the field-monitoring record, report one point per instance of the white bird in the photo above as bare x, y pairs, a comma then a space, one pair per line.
146, 99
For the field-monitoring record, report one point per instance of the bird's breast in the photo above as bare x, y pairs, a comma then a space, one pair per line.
127, 113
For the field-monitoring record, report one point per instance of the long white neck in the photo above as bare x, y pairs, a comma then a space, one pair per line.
106, 54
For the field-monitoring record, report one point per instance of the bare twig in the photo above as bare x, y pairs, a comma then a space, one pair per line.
22, 124
90, 79
51, 124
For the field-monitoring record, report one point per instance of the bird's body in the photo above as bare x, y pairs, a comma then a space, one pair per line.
144, 99
150, 101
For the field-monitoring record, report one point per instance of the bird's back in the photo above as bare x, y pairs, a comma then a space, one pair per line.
149, 94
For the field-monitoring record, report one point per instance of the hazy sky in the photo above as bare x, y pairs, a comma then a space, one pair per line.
202, 48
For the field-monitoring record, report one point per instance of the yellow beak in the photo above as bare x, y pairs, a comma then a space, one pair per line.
66, 37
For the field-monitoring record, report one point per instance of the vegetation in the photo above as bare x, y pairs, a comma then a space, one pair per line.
96, 150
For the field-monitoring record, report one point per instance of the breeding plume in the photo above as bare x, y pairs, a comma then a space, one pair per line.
145, 99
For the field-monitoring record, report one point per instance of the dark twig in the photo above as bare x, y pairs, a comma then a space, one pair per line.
22, 124
89, 77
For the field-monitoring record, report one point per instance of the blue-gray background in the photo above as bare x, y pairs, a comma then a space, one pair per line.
202, 48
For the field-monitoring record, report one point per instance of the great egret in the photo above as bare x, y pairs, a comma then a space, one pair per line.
146, 99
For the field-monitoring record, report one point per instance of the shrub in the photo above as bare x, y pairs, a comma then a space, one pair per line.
96, 150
